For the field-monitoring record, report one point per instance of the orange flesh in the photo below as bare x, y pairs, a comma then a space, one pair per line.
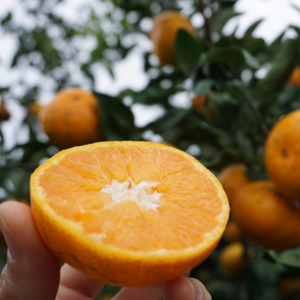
190, 200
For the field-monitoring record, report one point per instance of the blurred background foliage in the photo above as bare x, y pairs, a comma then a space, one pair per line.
231, 126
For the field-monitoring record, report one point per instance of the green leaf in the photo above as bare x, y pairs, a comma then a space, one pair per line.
295, 7
219, 20
223, 98
290, 257
187, 51
232, 56
117, 121
6, 19
274, 47
296, 28
126, 92
251, 44
251, 28
250, 60
170, 120
203, 87
4, 89
268, 88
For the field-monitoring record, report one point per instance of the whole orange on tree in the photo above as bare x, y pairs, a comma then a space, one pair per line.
295, 77
232, 259
232, 232
198, 102
71, 118
233, 178
282, 152
266, 217
163, 34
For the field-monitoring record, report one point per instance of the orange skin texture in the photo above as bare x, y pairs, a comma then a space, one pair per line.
265, 217
282, 153
295, 77
233, 179
166, 144
232, 259
232, 232
71, 119
163, 34
110, 264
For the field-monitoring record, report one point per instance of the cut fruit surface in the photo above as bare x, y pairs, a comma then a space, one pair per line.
128, 213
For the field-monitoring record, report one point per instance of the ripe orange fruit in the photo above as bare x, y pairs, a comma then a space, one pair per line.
233, 178
282, 153
232, 258
163, 34
295, 77
198, 102
128, 213
232, 232
71, 119
266, 217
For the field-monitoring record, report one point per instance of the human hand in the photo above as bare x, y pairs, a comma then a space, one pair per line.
33, 272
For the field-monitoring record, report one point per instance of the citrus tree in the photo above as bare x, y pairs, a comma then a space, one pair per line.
230, 114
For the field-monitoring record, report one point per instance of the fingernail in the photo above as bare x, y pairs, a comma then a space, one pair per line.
14, 252
198, 290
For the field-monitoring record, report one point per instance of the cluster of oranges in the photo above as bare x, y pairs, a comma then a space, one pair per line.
266, 212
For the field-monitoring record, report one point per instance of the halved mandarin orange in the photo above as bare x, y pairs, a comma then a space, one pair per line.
128, 213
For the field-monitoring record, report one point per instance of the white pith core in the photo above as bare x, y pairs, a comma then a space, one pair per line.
129, 191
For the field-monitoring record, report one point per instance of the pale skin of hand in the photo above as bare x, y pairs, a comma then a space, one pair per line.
33, 272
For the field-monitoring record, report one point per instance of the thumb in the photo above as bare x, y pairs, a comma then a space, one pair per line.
32, 271
184, 288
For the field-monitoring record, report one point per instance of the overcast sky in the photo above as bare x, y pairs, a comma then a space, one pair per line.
277, 15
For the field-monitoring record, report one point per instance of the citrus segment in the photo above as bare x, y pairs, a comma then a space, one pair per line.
128, 213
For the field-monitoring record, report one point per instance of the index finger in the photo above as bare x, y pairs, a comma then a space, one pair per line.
76, 285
